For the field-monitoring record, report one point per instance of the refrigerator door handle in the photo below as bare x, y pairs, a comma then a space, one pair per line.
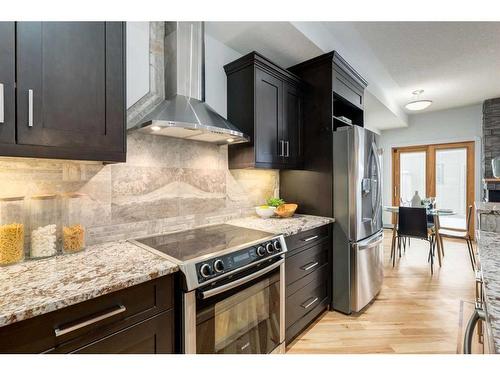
379, 182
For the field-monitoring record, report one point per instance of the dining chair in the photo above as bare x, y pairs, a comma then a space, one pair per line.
412, 223
402, 203
463, 234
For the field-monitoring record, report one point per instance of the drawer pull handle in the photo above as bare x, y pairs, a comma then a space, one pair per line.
308, 266
118, 310
2, 105
310, 238
30, 108
307, 305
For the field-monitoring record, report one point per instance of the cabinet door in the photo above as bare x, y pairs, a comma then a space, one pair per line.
152, 336
71, 85
7, 83
292, 125
268, 118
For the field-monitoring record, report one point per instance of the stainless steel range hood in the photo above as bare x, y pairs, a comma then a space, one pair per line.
184, 113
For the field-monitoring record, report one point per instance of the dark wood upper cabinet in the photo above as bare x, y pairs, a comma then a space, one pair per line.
335, 91
70, 95
7, 83
265, 102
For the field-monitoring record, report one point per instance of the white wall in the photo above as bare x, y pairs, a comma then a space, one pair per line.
217, 55
452, 125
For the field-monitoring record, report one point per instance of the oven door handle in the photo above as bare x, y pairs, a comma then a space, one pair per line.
223, 288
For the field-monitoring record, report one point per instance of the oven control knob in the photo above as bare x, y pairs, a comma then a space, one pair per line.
206, 270
219, 265
277, 245
261, 251
269, 248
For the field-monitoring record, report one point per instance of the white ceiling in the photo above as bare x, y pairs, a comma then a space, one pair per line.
456, 63
280, 42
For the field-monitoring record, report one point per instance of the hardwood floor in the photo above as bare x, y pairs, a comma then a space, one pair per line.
414, 312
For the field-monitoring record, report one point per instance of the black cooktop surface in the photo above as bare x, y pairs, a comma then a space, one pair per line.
195, 243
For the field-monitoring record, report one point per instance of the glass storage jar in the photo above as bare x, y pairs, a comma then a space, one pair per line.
12, 226
73, 229
43, 220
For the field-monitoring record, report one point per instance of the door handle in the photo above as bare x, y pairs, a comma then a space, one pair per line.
307, 305
2, 104
64, 331
233, 284
282, 148
30, 108
287, 149
308, 266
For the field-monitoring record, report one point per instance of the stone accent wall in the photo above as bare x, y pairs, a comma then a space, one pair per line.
167, 184
491, 137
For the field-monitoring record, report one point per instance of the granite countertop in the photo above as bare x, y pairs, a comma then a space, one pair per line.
487, 207
286, 226
489, 257
37, 287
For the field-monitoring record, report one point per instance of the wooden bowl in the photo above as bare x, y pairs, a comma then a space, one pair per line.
286, 210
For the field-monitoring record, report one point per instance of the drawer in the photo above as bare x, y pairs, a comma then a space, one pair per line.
319, 275
304, 300
152, 336
307, 238
88, 321
305, 321
306, 261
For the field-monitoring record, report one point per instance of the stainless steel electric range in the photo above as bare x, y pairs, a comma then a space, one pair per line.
233, 295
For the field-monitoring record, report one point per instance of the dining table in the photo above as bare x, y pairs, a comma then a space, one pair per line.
435, 213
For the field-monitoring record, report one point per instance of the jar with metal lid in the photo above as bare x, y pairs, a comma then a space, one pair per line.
12, 226
73, 229
44, 229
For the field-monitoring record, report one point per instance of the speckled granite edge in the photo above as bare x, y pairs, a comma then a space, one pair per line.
488, 208
37, 287
286, 226
489, 257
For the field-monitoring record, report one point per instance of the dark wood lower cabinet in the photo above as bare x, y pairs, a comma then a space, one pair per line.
138, 319
308, 278
152, 336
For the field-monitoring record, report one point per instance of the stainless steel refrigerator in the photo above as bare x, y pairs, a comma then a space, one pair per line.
341, 178
357, 208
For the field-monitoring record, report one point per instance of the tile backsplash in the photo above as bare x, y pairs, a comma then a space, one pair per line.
166, 184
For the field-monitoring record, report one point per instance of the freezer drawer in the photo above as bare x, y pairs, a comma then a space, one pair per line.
367, 273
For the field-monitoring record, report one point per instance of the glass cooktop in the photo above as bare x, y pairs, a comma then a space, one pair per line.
195, 243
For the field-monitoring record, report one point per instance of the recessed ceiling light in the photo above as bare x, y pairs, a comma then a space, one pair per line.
229, 140
155, 128
418, 104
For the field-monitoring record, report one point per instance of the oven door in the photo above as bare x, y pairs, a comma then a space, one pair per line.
243, 314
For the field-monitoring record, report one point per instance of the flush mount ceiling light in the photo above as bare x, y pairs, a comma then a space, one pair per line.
418, 104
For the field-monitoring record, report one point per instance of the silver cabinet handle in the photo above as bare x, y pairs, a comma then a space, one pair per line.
307, 305
287, 149
282, 148
308, 266
2, 104
310, 238
118, 310
30, 108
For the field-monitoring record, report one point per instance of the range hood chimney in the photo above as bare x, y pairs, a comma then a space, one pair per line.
184, 113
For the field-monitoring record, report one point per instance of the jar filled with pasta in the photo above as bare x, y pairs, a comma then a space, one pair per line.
11, 230
73, 229
44, 228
